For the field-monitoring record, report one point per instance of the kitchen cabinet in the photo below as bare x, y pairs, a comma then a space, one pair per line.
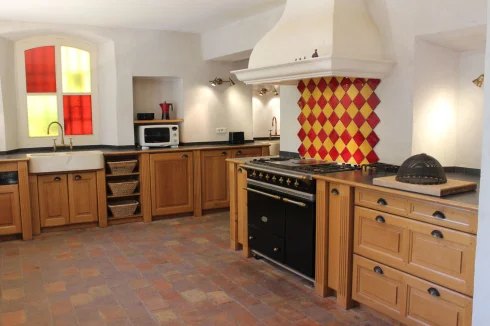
172, 183
10, 220
54, 207
247, 152
214, 179
82, 194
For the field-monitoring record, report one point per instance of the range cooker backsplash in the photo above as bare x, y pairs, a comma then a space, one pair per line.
338, 120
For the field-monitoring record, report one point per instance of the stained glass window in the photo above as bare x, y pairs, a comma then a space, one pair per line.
41, 111
41, 77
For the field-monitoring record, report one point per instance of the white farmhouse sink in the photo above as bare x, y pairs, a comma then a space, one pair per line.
274, 148
65, 161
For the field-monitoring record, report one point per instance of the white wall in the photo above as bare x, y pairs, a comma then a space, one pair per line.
481, 313
8, 103
224, 42
125, 53
289, 119
264, 109
435, 102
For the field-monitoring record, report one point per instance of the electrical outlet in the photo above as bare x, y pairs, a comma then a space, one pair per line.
221, 130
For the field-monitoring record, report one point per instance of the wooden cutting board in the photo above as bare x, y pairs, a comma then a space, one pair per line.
450, 188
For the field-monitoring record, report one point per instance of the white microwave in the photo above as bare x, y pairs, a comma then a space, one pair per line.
158, 136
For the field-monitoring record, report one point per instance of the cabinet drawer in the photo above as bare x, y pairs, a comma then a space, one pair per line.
406, 298
450, 217
382, 201
247, 152
434, 253
267, 244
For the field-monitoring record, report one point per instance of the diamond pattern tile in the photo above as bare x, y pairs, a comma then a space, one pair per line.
337, 119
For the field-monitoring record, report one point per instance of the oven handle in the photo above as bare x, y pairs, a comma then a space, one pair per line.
294, 202
262, 193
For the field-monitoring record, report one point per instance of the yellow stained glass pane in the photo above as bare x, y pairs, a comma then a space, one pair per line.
41, 111
75, 69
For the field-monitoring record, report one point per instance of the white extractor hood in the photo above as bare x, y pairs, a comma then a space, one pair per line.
348, 42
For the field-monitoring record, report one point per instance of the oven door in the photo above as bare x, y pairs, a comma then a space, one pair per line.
266, 211
157, 135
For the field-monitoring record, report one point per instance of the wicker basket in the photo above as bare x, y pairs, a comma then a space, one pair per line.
124, 208
123, 188
122, 167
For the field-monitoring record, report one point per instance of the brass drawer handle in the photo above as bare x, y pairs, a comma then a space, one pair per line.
437, 234
57, 179
224, 153
239, 153
380, 219
439, 215
335, 191
434, 292
77, 177
185, 156
382, 202
378, 270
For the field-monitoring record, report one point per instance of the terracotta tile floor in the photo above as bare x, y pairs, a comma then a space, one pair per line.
172, 272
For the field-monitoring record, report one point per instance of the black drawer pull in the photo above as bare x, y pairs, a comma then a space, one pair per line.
77, 177
439, 214
239, 153
382, 202
380, 219
224, 153
276, 249
437, 234
185, 156
250, 238
335, 191
240, 170
378, 270
433, 292
57, 179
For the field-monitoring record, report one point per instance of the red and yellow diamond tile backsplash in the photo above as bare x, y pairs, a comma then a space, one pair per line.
337, 119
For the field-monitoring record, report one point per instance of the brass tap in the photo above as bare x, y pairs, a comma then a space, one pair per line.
62, 137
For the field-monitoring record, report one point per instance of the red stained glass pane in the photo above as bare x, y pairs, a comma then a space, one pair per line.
78, 114
40, 70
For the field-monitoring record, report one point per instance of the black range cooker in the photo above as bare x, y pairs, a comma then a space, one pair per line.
282, 210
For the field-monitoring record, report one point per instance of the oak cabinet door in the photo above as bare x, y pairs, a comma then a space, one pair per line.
172, 183
10, 222
82, 190
53, 200
215, 179
247, 152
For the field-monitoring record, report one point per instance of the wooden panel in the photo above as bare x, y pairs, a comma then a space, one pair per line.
247, 152
266, 151
215, 179
172, 183
10, 220
242, 210
102, 198
34, 194
321, 251
378, 234
382, 201
145, 187
448, 309
10, 167
197, 184
384, 292
341, 224
53, 200
25, 200
454, 218
406, 298
82, 197
234, 237
448, 261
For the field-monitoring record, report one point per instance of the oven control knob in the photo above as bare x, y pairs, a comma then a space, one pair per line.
274, 179
267, 177
254, 174
296, 183
261, 175
276, 249
281, 180
288, 181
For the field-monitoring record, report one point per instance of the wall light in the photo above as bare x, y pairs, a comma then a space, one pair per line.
218, 81
264, 91
479, 81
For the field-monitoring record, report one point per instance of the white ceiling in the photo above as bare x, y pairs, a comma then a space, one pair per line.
196, 16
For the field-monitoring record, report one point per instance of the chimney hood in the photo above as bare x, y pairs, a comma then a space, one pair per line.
348, 43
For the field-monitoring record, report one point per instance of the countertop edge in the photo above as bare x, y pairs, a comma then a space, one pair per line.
181, 149
437, 200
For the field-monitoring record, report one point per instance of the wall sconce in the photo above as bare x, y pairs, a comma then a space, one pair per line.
264, 91
479, 81
219, 81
